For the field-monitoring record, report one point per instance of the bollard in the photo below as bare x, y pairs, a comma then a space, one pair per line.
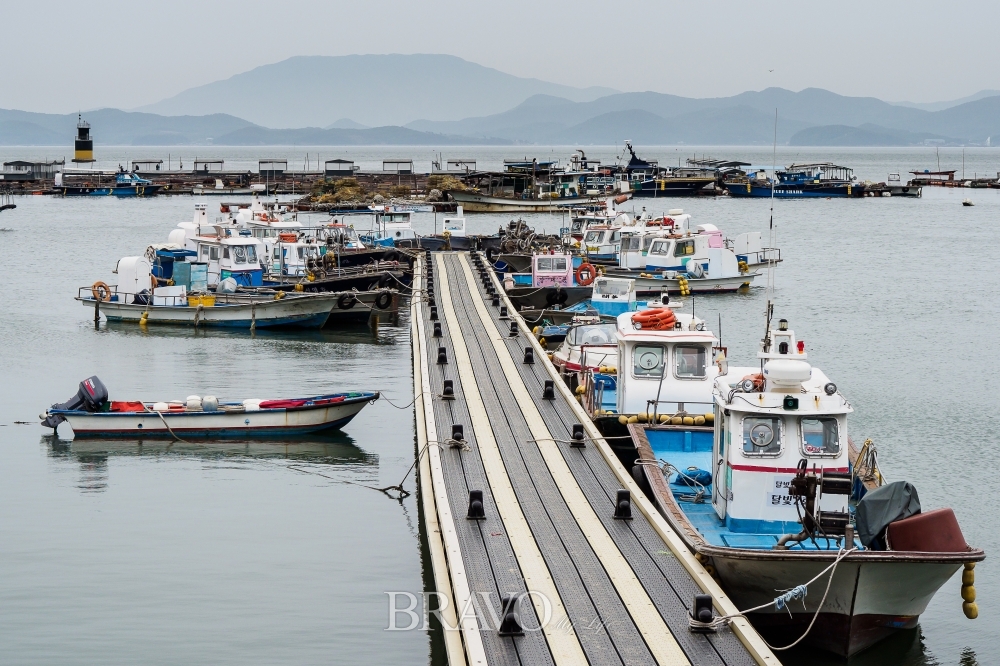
529, 356
513, 329
509, 626
448, 391
578, 436
549, 392
442, 355
476, 509
623, 507
437, 329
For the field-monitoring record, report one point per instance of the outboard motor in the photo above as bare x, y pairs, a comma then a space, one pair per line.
89, 398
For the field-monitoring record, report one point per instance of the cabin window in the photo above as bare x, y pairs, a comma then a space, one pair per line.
277, 253
646, 242
647, 361
631, 243
225, 252
204, 253
251, 254
301, 253
662, 247
820, 436
684, 248
214, 254
599, 334
551, 264
616, 236
690, 361
239, 254
594, 236
761, 435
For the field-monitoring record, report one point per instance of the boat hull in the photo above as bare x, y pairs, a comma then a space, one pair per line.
867, 601
129, 191
220, 424
671, 187
482, 203
795, 191
294, 311
656, 285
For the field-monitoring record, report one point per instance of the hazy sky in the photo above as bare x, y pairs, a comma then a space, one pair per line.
64, 56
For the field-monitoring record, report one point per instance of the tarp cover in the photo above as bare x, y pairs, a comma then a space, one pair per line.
893, 501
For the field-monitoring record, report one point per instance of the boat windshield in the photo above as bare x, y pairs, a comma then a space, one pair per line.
661, 247
820, 436
239, 254
550, 264
594, 236
611, 287
684, 248
592, 334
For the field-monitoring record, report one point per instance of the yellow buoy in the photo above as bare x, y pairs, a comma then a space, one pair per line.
968, 577
676, 420
580, 390
642, 416
710, 418
969, 593
623, 419
688, 420
699, 420
543, 343
970, 609
299, 287
664, 418
633, 419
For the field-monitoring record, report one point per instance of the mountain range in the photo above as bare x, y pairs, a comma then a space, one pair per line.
438, 100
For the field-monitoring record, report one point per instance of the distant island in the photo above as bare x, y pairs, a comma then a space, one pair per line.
438, 100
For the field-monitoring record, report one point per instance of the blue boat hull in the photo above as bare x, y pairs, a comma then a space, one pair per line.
796, 191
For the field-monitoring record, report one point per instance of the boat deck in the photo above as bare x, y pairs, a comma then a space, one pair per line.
603, 590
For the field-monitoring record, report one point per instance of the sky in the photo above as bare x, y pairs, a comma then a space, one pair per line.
60, 57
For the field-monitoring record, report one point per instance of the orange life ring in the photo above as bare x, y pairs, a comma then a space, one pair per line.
589, 270
101, 291
655, 319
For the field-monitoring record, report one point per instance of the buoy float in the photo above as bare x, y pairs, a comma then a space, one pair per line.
969, 606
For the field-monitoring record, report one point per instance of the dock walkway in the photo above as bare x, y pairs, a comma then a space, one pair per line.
590, 587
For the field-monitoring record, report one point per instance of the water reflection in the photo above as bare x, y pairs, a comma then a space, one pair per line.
334, 457
904, 648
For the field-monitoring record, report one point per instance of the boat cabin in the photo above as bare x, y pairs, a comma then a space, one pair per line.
678, 253
602, 243
766, 424
664, 371
455, 226
227, 251
551, 269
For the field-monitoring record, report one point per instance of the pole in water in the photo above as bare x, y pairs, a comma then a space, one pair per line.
97, 314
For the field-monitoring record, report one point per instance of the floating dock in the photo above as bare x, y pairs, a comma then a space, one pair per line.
551, 571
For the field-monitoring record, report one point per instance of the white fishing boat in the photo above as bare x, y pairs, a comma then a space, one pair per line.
92, 414
759, 478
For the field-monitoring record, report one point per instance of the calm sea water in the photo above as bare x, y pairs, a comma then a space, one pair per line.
276, 552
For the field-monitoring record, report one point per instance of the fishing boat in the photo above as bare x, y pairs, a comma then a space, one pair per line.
175, 306
91, 413
126, 184
647, 179
475, 202
758, 477
821, 180
689, 264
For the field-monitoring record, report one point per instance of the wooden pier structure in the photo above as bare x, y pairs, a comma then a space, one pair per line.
535, 557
